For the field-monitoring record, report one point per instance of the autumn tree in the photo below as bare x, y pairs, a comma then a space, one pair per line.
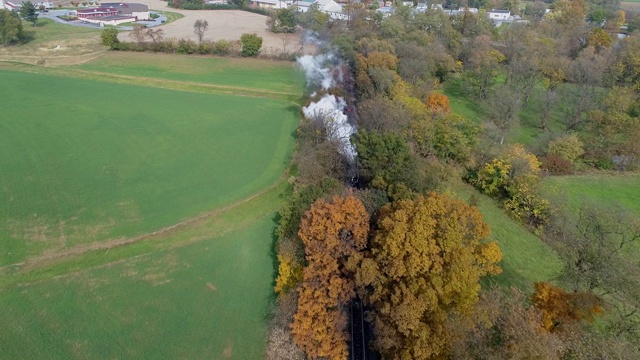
381, 114
559, 307
450, 137
588, 72
553, 69
503, 105
503, 326
438, 104
599, 39
332, 233
591, 247
481, 65
426, 261
614, 130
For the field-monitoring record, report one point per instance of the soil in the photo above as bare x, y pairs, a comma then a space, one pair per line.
224, 25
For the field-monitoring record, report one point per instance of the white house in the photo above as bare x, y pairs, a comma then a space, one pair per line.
16, 4
499, 14
468, 9
386, 11
273, 4
330, 7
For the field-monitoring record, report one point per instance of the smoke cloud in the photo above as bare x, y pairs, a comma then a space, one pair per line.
324, 71
331, 110
319, 70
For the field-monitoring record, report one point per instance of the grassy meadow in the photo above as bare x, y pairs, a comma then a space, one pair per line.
621, 189
97, 169
526, 258
102, 161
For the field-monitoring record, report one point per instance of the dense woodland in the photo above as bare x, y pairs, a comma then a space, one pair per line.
385, 227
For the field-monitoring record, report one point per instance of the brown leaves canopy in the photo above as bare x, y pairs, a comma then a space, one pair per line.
428, 257
559, 307
332, 232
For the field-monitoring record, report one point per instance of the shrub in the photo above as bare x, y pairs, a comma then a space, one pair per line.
186, 47
251, 44
221, 47
557, 165
493, 178
568, 147
109, 37
527, 206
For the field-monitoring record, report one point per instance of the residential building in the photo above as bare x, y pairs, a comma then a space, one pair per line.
499, 14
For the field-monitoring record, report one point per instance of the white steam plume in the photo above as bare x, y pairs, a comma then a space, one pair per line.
325, 71
330, 109
317, 70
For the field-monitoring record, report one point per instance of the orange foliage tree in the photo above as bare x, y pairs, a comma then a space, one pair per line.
332, 232
427, 258
559, 307
438, 104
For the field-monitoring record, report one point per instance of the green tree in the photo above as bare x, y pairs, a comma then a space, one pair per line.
10, 27
426, 262
28, 11
282, 21
314, 19
109, 37
251, 44
384, 159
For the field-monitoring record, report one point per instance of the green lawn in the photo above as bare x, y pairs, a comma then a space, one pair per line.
90, 160
621, 189
207, 300
86, 161
527, 259
269, 76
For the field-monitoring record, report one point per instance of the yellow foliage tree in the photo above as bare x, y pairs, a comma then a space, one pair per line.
332, 233
427, 258
289, 273
599, 39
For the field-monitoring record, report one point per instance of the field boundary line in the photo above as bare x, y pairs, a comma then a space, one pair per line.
42, 260
176, 85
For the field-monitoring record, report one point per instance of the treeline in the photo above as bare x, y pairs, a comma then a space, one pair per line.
413, 252
153, 40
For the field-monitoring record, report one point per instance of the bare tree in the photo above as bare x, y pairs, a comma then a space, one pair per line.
199, 28
503, 106
155, 35
138, 34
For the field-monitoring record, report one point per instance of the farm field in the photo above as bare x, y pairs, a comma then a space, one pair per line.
96, 171
208, 299
269, 76
103, 161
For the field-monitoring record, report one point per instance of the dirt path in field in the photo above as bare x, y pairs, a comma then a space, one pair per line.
49, 258
223, 25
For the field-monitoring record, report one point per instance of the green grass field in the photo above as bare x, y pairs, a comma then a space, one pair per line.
619, 189
206, 298
526, 258
269, 76
102, 161
96, 168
